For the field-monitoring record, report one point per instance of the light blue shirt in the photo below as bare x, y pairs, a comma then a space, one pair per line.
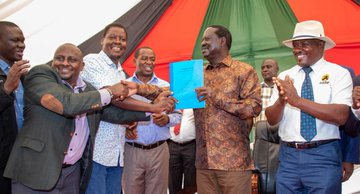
148, 132
19, 96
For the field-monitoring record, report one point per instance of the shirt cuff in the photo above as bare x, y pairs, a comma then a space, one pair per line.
105, 97
356, 112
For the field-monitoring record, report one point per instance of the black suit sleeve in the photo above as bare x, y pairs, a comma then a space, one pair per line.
5, 99
117, 115
352, 125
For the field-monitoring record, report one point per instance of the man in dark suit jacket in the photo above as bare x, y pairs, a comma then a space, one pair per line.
12, 67
349, 142
48, 153
352, 127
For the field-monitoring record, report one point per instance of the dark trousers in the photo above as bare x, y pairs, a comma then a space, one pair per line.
182, 165
310, 171
5, 183
68, 183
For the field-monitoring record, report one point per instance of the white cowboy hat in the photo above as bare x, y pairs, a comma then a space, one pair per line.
310, 29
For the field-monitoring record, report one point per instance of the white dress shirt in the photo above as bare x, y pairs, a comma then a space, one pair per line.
331, 83
187, 127
356, 112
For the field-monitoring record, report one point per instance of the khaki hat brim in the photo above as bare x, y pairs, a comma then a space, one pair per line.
328, 42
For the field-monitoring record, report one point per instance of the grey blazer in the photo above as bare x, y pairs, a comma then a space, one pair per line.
38, 153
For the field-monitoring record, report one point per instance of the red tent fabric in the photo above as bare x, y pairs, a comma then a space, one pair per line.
341, 20
174, 36
178, 29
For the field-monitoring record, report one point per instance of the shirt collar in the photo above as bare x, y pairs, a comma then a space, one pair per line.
80, 85
154, 79
265, 85
4, 66
316, 66
108, 61
227, 61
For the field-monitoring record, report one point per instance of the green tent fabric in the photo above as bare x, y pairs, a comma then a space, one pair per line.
257, 28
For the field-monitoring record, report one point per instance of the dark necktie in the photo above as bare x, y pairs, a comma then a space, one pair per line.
307, 122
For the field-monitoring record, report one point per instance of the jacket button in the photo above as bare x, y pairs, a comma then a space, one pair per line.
65, 152
71, 134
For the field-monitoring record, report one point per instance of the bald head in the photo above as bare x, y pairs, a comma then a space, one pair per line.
269, 69
68, 62
69, 47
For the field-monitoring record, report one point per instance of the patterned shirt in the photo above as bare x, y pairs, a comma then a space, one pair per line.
148, 132
100, 71
223, 126
266, 92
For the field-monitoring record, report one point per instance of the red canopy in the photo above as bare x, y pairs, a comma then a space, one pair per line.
341, 20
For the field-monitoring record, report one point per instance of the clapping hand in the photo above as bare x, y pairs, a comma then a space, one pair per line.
18, 69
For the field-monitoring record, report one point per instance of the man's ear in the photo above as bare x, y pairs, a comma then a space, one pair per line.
82, 65
223, 41
102, 41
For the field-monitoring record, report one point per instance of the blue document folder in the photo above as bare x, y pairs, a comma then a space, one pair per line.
185, 76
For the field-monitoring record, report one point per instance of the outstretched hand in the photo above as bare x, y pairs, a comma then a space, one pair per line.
119, 91
133, 87
164, 102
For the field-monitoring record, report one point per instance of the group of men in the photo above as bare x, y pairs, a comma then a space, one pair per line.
64, 124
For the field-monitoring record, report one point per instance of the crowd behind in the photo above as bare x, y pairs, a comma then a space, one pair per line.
83, 125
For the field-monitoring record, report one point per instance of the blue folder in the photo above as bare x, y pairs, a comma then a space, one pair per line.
185, 76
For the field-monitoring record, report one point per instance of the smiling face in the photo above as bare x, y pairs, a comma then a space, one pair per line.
114, 43
308, 51
68, 62
145, 62
12, 44
211, 43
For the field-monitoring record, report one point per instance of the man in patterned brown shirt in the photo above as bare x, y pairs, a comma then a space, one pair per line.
233, 98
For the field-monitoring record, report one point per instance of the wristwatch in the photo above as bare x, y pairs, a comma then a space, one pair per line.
110, 92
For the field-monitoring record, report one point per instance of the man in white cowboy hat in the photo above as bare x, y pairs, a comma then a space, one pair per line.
310, 101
